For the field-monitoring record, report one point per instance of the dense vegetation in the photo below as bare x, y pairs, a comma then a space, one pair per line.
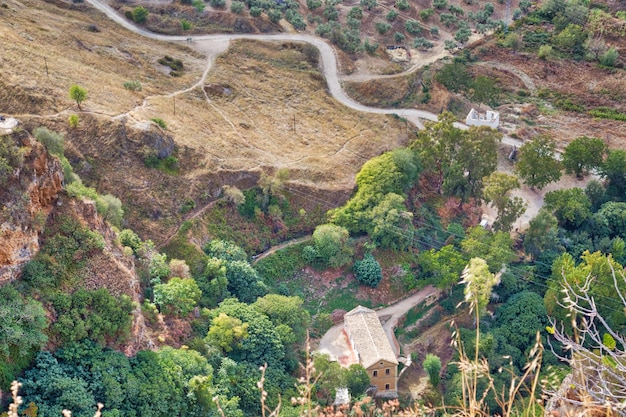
417, 204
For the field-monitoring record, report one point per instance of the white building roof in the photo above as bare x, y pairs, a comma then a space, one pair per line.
368, 337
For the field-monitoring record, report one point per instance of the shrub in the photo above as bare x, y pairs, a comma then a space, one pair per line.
132, 85
609, 58
368, 271
313, 4
440, 4
78, 94
399, 37
295, 19
456, 10
356, 13
382, 27
391, 16
51, 140
425, 14
413, 27
73, 121
185, 24
198, 5
237, 7
255, 11
403, 4
545, 52
219, 4
434, 31
608, 113
370, 48
140, 14
274, 15
159, 122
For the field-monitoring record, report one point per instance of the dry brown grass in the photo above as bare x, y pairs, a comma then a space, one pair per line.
225, 139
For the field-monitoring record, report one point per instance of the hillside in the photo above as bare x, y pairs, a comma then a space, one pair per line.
211, 133
187, 216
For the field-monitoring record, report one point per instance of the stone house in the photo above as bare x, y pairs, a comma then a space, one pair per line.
370, 343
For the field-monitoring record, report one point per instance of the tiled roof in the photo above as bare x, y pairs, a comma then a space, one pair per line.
368, 336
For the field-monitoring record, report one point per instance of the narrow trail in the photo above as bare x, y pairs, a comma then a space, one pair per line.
283, 245
528, 82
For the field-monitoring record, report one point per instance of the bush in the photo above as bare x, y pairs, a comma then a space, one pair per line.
219, 4
391, 16
403, 5
609, 58
356, 13
132, 85
73, 121
608, 113
51, 140
255, 11
274, 15
368, 271
237, 7
425, 14
140, 14
370, 48
440, 4
185, 24
545, 52
413, 27
399, 37
159, 122
382, 27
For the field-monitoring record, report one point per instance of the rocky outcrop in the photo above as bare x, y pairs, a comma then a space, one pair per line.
26, 199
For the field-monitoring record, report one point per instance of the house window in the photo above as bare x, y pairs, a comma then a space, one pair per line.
387, 387
375, 373
387, 371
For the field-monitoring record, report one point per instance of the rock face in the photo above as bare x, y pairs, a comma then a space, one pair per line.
26, 200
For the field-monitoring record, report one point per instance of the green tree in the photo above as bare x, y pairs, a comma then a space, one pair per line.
463, 34
178, 296
390, 225
432, 366
357, 379
541, 235
356, 13
263, 344
537, 165
498, 187
226, 332
285, 310
571, 206
413, 27
140, 14
454, 77
78, 94
224, 250
571, 39
22, 325
613, 169
368, 271
403, 5
444, 266
495, 248
514, 41
244, 281
237, 7
332, 245
368, 4
583, 154
484, 90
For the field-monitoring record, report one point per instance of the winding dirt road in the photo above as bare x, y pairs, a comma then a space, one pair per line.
213, 45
